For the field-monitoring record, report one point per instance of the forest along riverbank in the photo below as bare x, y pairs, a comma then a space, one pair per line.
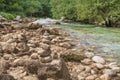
102, 41
31, 51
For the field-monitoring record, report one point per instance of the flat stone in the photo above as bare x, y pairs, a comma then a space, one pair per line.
6, 56
98, 59
87, 69
116, 69
45, 41
112, 64
105, 77
79, 68
110, 72
97, 79
19, 62
83, 74
46, 59
43, 53
34, 56
99, 65
65, 45
93, 72
44, 46
50, 79
91, 77
89, 54
86, 61
80, 77
30, 78
31, 45
46, 36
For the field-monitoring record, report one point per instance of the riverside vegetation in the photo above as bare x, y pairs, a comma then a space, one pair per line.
87, 11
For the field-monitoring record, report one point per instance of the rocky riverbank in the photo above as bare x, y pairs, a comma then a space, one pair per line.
42, 52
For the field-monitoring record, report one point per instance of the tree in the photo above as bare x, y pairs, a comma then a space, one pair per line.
46, 12
84, 9
107, 9
64, 8
31, 6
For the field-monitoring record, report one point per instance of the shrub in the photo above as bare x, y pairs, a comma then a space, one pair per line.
7, 15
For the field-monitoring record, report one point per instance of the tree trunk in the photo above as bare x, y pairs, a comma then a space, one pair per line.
108, 23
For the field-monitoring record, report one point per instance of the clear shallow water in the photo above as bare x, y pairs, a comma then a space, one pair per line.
105, 40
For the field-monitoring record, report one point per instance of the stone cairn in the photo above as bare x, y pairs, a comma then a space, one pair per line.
28, 57
53, 66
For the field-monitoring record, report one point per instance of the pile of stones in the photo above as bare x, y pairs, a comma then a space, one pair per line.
48, 53
27, 55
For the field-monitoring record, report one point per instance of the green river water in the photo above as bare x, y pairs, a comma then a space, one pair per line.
106, 40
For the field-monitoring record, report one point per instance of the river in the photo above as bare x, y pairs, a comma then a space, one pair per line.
105, 41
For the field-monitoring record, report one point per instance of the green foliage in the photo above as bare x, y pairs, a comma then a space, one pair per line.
31, 6
87, 10
26, 7
7, 15
84, 9
77, 10
64, 8
46, 8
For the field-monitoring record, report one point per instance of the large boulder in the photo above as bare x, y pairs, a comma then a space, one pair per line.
73, 55
56, 70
